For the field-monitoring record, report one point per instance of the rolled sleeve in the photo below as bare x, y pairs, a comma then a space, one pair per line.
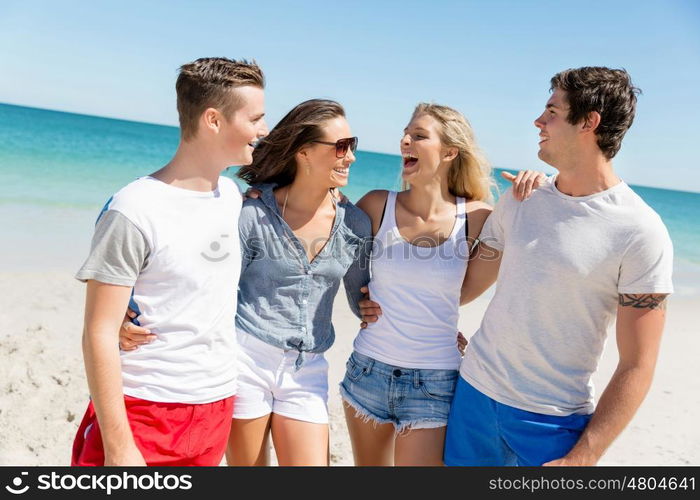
358, 274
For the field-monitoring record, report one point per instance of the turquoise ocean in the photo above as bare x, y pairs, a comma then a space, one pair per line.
57, 170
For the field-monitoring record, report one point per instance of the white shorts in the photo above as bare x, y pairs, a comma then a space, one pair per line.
269, 383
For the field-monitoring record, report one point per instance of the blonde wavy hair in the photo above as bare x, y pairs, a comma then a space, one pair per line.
470, 173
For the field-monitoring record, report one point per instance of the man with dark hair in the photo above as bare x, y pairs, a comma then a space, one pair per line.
583, 251
167, 246
608, 92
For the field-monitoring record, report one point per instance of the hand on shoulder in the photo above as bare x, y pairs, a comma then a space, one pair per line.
252, 193
524, 183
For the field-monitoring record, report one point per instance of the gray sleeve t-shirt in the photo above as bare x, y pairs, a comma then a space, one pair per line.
118, 253
565, 260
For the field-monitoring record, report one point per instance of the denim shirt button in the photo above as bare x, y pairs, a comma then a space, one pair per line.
303, 328
304, 301
309, 272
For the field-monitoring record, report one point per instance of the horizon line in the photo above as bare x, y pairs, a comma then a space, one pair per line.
129, 120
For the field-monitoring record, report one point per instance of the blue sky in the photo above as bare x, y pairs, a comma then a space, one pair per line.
492, 60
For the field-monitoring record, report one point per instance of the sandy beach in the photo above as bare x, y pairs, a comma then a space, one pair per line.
43, 391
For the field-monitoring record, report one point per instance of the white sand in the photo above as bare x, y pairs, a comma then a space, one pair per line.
43, 392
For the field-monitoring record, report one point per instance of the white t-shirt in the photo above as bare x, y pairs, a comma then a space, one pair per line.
565, 260
180, 251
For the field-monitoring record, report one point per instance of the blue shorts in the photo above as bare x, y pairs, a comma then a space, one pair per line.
482, 431
409, 398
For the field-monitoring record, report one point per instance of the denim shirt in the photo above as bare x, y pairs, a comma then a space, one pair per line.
285, 300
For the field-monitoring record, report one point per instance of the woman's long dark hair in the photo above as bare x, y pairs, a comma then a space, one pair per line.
274, 157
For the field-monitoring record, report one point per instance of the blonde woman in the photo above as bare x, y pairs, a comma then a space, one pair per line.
402, 373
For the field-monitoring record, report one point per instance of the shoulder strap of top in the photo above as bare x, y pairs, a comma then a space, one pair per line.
461, 205
388, 217
462, 212
381, 221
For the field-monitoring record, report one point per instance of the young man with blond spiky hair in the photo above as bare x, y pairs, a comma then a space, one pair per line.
167, 245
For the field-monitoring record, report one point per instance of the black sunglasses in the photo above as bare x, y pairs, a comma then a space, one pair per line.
342, 146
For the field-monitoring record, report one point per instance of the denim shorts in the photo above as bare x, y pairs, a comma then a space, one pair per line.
409, 398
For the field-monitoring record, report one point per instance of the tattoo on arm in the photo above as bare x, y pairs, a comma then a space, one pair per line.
644, 301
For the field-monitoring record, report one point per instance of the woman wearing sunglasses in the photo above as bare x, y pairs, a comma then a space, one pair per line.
298, 242
402, 373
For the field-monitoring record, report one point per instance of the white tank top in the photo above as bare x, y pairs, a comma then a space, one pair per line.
418, 289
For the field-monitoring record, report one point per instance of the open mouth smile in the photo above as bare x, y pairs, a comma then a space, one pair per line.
409, 160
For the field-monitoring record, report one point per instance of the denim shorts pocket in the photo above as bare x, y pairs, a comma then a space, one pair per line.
440, 390
353, 370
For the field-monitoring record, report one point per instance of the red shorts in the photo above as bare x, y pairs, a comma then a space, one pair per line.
165, 433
